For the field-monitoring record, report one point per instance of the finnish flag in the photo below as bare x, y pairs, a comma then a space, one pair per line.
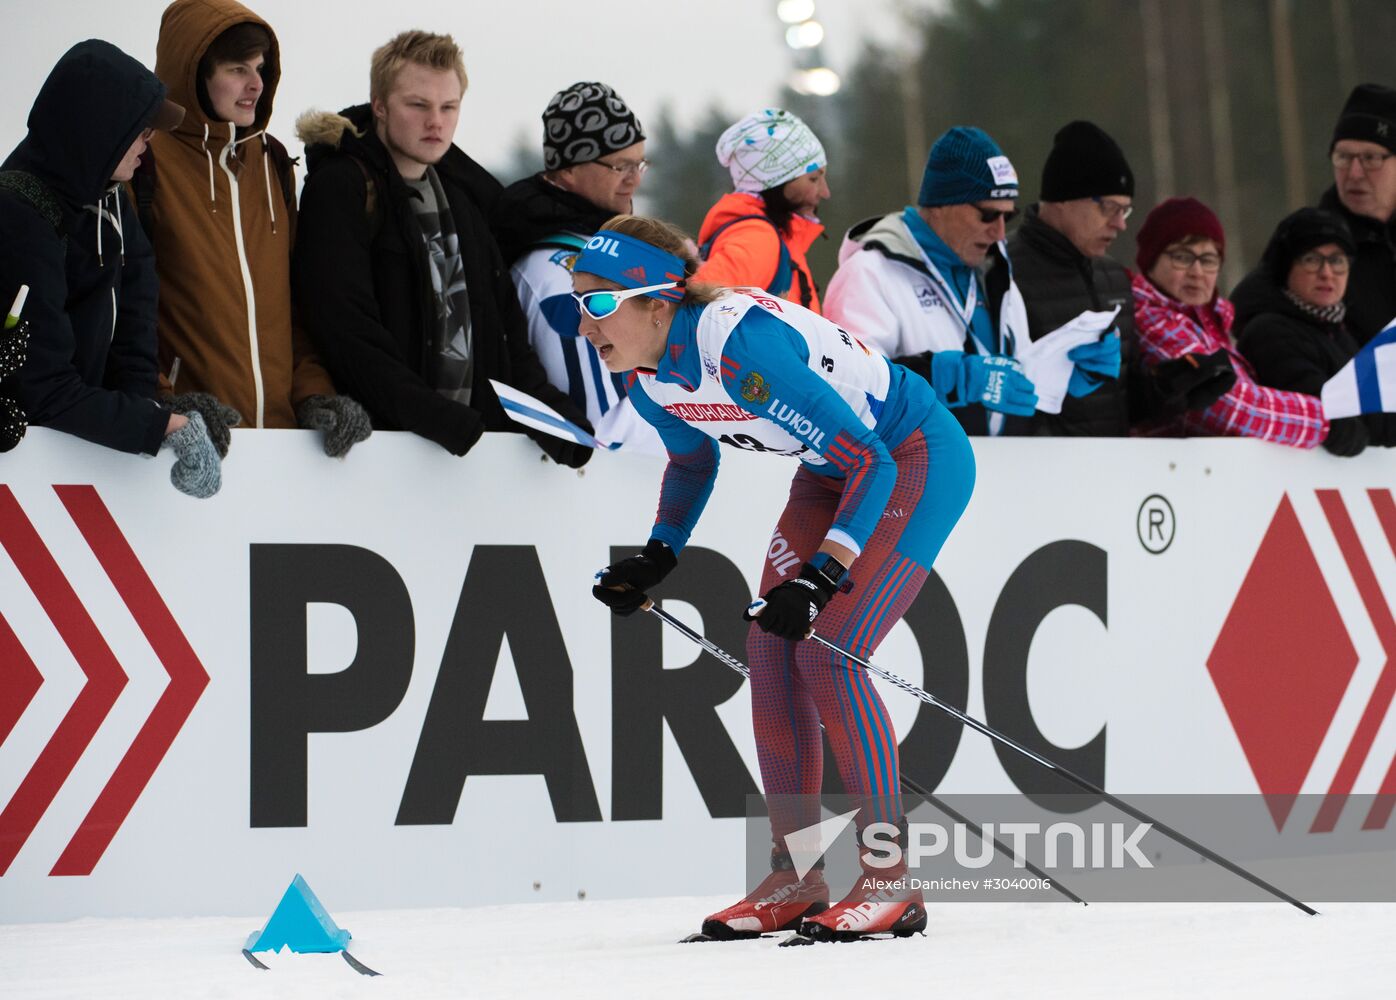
524, 409
1367, 383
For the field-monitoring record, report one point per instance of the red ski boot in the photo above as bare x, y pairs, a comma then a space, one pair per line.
882, 901
779, 903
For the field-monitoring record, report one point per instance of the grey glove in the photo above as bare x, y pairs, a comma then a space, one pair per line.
197, 470
344, 422
219, 418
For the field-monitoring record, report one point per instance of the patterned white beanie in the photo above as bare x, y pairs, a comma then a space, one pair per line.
768, 148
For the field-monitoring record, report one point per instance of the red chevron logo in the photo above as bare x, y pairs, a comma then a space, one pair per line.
1284, 659
20, 680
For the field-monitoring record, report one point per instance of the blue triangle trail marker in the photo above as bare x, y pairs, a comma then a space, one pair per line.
300, 923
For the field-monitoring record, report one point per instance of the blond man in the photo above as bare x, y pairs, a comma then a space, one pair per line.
400, 283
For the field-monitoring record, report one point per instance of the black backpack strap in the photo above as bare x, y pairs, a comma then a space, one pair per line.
29, 188
285, 166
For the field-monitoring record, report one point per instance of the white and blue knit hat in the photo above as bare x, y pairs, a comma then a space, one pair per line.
768, 148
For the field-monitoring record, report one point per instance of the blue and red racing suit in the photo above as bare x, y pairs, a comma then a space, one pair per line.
766, 375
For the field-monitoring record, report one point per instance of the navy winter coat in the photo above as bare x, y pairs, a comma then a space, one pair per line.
91, 367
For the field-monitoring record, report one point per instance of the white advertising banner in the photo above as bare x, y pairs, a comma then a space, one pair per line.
387, 673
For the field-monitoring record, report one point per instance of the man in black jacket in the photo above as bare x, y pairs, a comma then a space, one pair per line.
1363, 151
1061, 261
68, 233
395, 273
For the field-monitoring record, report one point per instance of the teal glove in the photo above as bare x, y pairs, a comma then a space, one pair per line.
997, 382
1095, 362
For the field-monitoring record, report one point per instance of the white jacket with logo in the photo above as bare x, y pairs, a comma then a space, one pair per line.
885, 293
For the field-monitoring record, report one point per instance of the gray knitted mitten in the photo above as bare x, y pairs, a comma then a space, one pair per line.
197, 470
344, 422
219, 418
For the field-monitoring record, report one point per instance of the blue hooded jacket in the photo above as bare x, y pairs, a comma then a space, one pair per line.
91, 368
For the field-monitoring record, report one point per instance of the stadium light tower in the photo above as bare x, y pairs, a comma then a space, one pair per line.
804, 35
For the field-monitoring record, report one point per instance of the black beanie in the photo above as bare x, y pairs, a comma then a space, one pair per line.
1297, 234
1085, 163
1369, 115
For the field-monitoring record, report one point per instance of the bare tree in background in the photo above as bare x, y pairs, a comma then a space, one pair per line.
1156, 72
1287, 98
1342, 37
1223, 158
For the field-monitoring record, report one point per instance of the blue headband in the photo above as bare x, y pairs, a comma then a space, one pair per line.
631, 263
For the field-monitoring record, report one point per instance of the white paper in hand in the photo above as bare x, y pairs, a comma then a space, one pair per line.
1045, 362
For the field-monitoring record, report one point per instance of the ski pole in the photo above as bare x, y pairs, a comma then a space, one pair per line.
1070, 776
907, 782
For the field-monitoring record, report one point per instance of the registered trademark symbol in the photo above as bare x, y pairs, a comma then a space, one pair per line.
1156, 524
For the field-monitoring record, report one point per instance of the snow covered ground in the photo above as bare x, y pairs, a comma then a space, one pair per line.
627, 949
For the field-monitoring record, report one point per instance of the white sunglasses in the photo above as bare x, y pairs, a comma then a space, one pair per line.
602, 303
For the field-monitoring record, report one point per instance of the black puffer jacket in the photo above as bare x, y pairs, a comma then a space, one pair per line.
1371, 296
1058, 284
362, 283
531, 209
1292, 350
91, 367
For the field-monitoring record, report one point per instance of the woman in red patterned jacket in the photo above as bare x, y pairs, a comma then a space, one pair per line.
1178, 312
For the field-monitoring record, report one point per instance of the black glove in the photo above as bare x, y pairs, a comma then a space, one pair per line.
1347, 436
919, 363
219, 419
792, 606
637, 575
13, 423
1196, 381
563, 452
344, 422
14, 346
472, 427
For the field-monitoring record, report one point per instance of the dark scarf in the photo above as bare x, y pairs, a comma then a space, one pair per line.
1324, 314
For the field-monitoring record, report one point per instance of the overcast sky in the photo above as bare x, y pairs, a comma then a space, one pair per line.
517, 53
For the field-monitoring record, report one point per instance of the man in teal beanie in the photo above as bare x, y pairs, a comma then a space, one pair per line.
930, 286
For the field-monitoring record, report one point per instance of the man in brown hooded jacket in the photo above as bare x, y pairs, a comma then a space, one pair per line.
219, 200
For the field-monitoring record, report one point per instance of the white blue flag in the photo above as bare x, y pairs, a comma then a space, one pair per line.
524, 409
1367, 383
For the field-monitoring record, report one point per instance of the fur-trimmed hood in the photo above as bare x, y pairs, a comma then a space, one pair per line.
350, 131
324, 128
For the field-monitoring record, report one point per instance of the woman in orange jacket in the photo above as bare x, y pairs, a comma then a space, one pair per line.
759, 234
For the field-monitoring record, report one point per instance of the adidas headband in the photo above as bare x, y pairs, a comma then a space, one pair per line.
631, 263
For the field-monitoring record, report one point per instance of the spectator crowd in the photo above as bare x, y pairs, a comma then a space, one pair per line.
169, 284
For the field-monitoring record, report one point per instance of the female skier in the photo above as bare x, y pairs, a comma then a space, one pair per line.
754, 371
